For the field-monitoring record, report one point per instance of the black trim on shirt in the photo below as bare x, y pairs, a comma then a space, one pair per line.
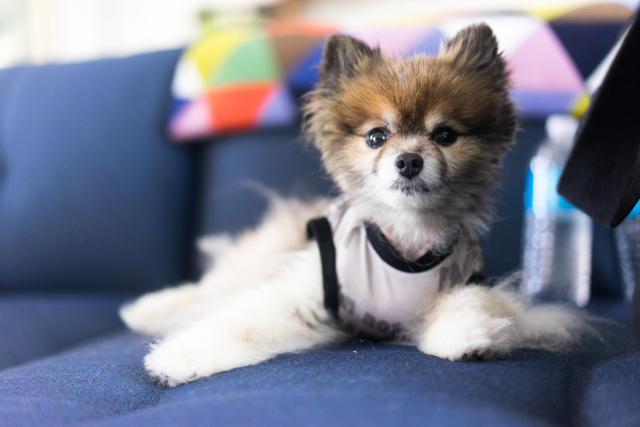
320, 229
389, 254
477, 278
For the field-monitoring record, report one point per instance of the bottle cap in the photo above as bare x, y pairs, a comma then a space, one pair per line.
561, 128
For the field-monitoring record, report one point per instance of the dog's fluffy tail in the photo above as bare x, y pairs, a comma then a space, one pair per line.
547, 326
486, 322
553, 327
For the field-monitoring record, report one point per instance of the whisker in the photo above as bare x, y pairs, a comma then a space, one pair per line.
353, 193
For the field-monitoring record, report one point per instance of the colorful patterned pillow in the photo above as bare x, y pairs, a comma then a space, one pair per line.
249, 77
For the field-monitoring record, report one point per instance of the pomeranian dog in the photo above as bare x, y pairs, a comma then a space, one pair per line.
415, 145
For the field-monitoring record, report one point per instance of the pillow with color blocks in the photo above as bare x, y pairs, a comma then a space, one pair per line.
252, 76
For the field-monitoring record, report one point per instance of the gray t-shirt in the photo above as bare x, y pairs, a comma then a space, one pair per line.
380, 294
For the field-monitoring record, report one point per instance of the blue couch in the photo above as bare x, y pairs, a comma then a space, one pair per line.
97, 206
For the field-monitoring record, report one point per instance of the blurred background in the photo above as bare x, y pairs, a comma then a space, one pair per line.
110, 170
38, 31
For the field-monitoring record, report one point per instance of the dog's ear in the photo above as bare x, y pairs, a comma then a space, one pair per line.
476, 49
345, 56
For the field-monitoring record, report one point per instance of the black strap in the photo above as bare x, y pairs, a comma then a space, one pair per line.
320, 229
388, 253
477, 278
602, 174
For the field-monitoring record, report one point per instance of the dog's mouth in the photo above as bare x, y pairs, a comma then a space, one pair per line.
410, 187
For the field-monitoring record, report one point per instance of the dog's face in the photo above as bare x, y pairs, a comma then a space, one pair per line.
424, 133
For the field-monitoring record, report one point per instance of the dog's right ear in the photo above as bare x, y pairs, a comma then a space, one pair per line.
345, 56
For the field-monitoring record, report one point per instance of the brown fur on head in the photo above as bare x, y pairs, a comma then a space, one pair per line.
411, 102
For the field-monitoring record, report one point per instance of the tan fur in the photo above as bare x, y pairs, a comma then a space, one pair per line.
464, 90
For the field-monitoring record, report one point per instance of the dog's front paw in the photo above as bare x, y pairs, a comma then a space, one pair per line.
199, 352
471, 323
479, 337
178, 360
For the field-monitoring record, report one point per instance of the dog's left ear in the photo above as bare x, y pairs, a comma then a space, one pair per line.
475, 48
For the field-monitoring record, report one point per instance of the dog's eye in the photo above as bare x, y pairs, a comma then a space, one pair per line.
377, 137
444, 136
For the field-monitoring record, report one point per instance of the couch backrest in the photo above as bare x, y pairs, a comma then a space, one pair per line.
92, 194
234, 167
280, 161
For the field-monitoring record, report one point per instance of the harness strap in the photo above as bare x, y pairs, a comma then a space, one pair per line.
320, 229
388, 253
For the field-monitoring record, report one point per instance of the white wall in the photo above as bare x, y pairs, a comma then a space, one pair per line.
14, 36
396, 12
74, 30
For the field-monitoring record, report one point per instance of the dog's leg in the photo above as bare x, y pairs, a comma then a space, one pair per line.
155, 313
254, 254
283, 314
238, 263
473, 322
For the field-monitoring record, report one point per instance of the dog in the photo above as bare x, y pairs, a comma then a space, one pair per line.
415, 146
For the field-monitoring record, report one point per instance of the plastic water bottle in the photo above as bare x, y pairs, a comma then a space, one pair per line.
628, 243
557, 236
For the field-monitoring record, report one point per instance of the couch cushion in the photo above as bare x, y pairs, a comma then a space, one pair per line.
610, 393
37, 325
360, 383
92, 194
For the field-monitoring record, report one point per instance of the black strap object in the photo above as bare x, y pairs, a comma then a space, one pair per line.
602, 174
477, 278
320, 229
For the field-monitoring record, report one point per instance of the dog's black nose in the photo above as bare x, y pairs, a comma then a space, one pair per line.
409, 164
